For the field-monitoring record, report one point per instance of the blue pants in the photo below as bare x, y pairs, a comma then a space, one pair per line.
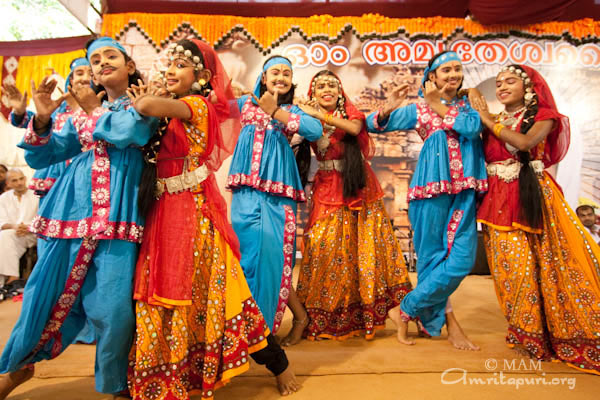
440, 268
105, 301
259, 220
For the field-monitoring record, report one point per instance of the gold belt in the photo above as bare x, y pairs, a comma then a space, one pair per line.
184, 181
330, 165
508, 170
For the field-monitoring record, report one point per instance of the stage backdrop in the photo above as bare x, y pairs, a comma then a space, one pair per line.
373, 54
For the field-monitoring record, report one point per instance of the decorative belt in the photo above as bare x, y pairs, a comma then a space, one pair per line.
184, 181
508, 170
330, 165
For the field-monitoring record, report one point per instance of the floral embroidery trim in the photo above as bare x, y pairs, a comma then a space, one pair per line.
41, 185
276, 188
453, 227
289, 234
376, 121
433, 189
65, 301
54, 228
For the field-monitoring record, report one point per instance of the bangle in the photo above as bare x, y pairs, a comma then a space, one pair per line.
497, 129
328, 118
274, 111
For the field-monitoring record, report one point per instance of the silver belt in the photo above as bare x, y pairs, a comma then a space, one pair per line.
330, 165
184, 181
508, 170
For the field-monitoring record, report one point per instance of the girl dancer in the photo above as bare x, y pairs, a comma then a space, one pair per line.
353, 272
449, 173
544, 263
196, 319
266, 188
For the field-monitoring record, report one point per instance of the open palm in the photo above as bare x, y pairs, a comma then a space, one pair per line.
42, 97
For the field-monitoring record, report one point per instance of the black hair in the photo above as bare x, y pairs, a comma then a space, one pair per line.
354, 175
150, 150
287, 98
530, 191
133, 78
584, 207
432, 60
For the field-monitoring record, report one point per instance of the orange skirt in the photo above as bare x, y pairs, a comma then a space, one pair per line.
181, 350
352, 273
548, 285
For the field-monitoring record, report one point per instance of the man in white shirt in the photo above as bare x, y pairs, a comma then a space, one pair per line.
18, 207
587, 216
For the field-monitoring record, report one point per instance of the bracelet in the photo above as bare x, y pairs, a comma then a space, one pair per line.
497, 129
328, 118
274, 111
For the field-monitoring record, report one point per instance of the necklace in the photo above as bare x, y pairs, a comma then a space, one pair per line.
323, 142
513, 118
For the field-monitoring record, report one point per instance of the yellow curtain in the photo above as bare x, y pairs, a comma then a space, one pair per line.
213, 28
37, 67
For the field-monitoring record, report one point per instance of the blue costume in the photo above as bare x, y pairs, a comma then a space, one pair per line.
91, 220
449, 173
44, 178
266, 188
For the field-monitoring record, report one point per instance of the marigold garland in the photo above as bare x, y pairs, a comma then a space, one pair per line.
157, 28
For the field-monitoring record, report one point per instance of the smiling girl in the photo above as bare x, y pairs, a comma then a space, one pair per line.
266, 188
196, 319
353, 271
91, 222
449, 173
544, 262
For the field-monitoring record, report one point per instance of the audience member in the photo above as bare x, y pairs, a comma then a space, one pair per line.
18, 207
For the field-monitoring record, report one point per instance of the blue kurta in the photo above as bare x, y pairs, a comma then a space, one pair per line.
102, 201
451, 159
450, 170
266, 186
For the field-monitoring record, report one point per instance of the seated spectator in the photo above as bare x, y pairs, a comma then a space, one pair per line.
18, 207
3, 171
587, 215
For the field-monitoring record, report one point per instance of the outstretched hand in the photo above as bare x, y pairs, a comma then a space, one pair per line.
395, 100
87, 99
136, 92
267, 102
311, 107
42, 98
432, 93
480, 105
16, 100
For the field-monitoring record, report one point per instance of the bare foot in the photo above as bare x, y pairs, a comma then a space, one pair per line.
456, 336
295, 335
13, 379
287, 383
402, 335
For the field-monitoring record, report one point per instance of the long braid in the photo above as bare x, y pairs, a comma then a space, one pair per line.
354, 174
530, 192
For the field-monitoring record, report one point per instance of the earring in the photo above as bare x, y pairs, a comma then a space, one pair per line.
202, 82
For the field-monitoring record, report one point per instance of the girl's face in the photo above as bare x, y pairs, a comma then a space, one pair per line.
509, 88
450, 73
327, 92
278, 79
180, 76
109, 67
82, 76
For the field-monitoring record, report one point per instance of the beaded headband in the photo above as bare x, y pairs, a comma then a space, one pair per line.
176, 50
326, 79
524, 77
